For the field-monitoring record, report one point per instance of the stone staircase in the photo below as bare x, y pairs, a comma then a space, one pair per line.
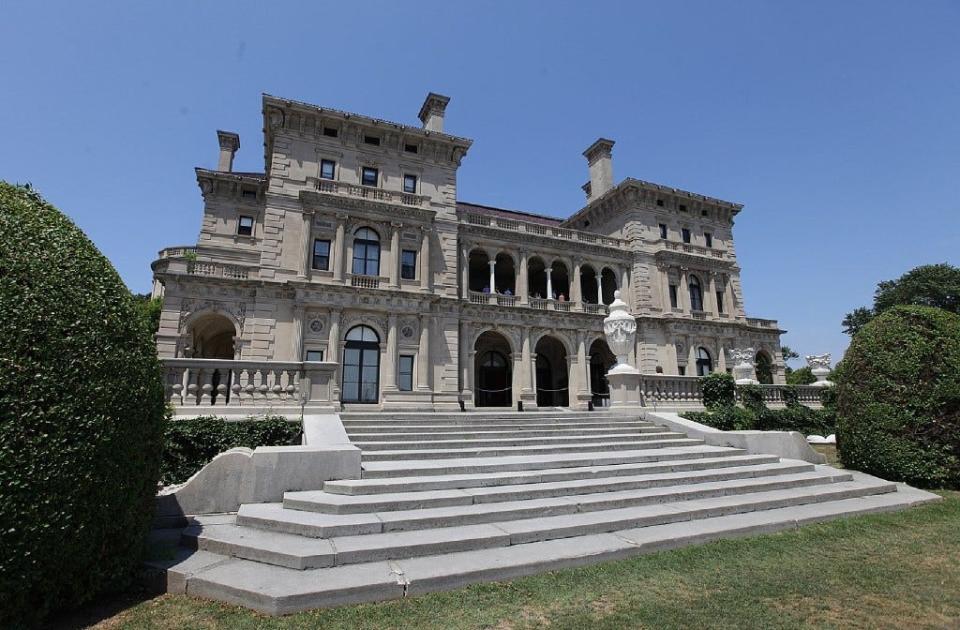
451, 499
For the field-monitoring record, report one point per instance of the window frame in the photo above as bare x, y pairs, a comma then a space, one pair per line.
708, 239
720, 310
694, 283
241, 226
685, 235
333, 168
367, 245
313, 259
416, 181
664, 231
412, 266
674, 296
376, 176
405, 374
306, 355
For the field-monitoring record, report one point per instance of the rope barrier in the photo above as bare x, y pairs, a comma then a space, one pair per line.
493, 391
562, 389
600, 395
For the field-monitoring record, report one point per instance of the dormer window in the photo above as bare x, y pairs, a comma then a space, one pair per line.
245, 226
410, 184
328, 169
369, 176
374, 140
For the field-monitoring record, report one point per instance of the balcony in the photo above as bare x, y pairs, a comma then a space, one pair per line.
762, 323
690, 248
183, 260
370, 192
540, 304
513, 225
366, 282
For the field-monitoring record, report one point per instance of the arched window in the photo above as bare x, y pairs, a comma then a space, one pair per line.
361, 366
704, 362
366, 252
696, 294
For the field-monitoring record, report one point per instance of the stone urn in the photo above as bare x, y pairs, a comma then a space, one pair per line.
819, 365
620, 328
744, 372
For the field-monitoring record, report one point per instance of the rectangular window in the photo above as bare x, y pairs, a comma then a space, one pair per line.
370, 176
321, 254
408, 264
673, 296
374, 140
245, 226
720, 301
682, 369
411, 148
708, 237
660, 202
683, 208
686, 235
405, 373
330, 132
314, 355
249, 193
328, 169
410, 183
663, 230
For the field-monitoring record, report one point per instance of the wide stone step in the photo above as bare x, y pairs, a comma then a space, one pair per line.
495, 479
274, 517
506, 451
486, 416
388, 445
471, 465
457, 433
280, 590
330, 503
434, 426
350, 549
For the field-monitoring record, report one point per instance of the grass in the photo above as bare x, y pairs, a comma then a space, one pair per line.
897, 570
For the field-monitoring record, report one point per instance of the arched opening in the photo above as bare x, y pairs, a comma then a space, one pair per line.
608, 284
696, 294
505, 274
212, 337
492, 386
361, 366
479, 265
537, 277
601, 360
704, 362
552, 378
764, 367
366, 252
589, 285
560, 281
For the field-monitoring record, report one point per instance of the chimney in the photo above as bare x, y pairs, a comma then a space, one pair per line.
431, 114
229, 143
599, 159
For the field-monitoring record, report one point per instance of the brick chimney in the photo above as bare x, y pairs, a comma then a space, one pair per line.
600, 161
229, 143
431, 114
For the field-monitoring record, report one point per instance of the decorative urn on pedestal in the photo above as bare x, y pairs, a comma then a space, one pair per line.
744, 372
819, 365
620, 328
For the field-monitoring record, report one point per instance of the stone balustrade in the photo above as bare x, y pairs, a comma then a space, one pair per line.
684, 391
690, 248
366, 282
513, 225
540, 304
252, 384
762, 323
371, 192
183, 260
177, 252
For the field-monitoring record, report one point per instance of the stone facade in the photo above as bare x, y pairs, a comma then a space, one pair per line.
351, 247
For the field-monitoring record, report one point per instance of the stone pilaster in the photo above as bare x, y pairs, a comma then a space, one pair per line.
425, 367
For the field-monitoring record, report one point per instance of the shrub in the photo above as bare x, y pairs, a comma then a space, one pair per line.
797, 418
726, 418
192, 443
790, 395
898, 397
718, 390
801, 376
81, 416
751, 397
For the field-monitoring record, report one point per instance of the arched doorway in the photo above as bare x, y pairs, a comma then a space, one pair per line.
589, 285
479, 271
552, 377
704, 362
212, 336
601, 360
764, 368
361, 366
560, 281
492, 377
506, 275
537, 278
608, 284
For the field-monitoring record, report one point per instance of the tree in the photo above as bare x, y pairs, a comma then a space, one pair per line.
150, 308
801, 376
788, 355
928, 285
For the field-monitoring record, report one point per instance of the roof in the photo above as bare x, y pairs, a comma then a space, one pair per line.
508, 214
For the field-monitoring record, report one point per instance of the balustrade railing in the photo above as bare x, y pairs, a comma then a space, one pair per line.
514, 225
595, 308
690, 248
245, 383
218, 270
762, 323
478, 297
538, 303
365, 282
174, 252
561, 306
671, 390
371, 192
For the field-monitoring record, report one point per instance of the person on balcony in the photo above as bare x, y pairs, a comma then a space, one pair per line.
507, 291
561, 298
486, 289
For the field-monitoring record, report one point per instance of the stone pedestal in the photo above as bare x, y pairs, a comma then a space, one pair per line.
620, 328
624, 389
744, 372
819, 365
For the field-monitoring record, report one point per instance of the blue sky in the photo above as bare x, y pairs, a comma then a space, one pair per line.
836, 123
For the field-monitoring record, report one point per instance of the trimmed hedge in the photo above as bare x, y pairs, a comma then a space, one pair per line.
192, 443
751, 397
719, 390
898, 397
799, 418
81, 416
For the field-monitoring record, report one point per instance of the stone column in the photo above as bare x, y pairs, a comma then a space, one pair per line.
466, 385
333, 337
424, 368
395, 254
306, 243
683, 291
296, 334
493, 275
549, 283
526, 367
625, 292
426, 275
338, 251
710, 299
576, 295
665, 288
465, 271
523, 285
599, 276
583, 387
390, 364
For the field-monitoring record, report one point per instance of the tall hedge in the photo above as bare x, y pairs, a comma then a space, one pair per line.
81, 416
898, 397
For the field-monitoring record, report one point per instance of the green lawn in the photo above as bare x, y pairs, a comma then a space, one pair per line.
891, 570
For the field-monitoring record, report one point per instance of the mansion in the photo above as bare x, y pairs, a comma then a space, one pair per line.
352, 249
